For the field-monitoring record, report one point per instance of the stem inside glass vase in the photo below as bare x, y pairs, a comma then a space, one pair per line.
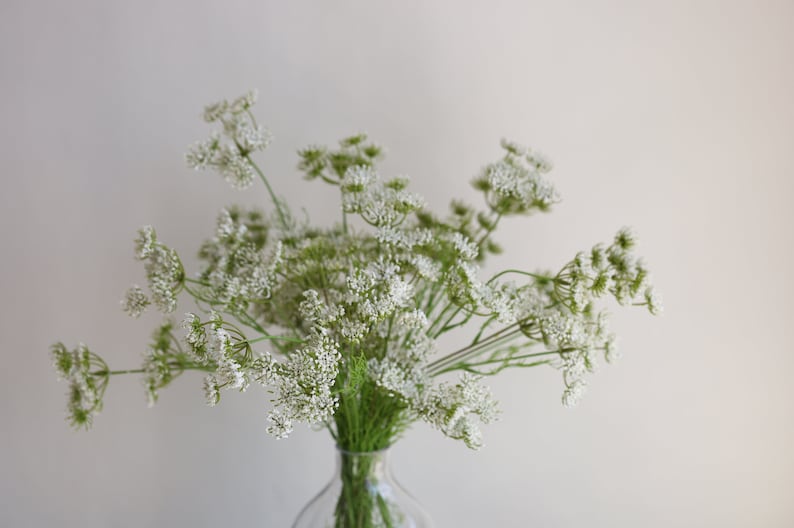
364, 498
363, 494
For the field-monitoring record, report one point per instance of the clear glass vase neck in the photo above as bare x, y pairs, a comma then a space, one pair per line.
363, 493
377, 464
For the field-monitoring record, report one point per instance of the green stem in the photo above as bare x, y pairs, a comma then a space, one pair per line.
509, 332
273, 338
131, 371
194, 281
451, 326
485, 325
438, 318
180, 366
276, 203
514, 358
504, 366
520, 272
360, 503
489, 230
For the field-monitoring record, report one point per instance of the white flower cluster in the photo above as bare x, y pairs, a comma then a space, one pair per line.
164, 274
536, 159
135, 301
304, 386
463, 284
244, 135
408, 245
506, 301
241, 268
316, 313
157, 373
510, 181
515, 183
160, 365
573, 370
212, 345
379, 203
403, 369
577, 339
378, 297
654, 300
377, 291
614, 270
453, 408
77, 366
574, 336
302, 383
560, 316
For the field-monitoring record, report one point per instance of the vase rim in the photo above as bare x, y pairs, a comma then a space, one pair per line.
362, 453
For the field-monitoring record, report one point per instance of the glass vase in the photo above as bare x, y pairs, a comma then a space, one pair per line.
363, 494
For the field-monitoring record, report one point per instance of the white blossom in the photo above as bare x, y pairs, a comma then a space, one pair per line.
235, 168
364, 193
195, 336
230, 375
163, 272
202, 153
227, 229
426, 267
466, 248
573, 393
514, 148
280, 425
541, 162
135, 301
219, 343
304, 385
244, 102
145, 242
654, 301
215, 111
157, 374
83, 399
452, 409
212, 392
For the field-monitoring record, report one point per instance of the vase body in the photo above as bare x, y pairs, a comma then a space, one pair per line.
363, 494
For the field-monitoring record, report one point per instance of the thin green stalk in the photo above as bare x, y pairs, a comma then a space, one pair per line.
194, 281
181, 366
504, 366
521, 272
484, 325
273, 338
463, 356
514, 358
454, 357
439, 317
275, 201
489, 230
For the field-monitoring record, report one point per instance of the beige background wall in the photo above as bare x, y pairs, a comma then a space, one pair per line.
674, 117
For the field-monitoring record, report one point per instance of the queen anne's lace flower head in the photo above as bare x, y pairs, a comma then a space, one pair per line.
135, 301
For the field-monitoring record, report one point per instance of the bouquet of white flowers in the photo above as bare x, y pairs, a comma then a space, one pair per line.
341, 323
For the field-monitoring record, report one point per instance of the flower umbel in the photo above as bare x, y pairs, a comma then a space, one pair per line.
87, 375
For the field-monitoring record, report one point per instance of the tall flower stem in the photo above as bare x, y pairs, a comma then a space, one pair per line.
276, 203
360, 505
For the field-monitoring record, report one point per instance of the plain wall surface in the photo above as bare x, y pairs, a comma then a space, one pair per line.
676, 118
